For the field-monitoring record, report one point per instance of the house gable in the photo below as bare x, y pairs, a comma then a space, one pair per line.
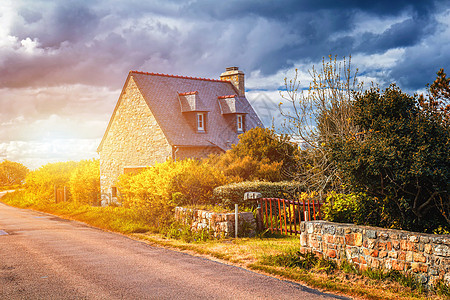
133, 137
161, 116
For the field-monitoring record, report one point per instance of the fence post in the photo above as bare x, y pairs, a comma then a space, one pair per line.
236, 220
256, 196
259, 216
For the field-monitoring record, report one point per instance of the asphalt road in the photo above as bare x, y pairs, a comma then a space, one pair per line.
45, 257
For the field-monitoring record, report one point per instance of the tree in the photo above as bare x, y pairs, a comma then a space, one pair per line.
437, 102
315, 116
12, 173
400, 156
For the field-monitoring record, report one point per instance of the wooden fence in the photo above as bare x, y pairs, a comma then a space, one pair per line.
285, 216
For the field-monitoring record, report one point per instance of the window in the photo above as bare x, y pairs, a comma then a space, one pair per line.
240, 123
201, 122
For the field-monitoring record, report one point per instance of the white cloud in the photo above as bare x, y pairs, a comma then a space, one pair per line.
48, 124
36, 153
30, 46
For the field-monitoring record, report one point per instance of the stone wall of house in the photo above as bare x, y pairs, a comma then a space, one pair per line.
134, 139
220, 224
425, 255
197, 152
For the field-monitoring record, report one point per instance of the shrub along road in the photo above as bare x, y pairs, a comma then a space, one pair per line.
45, 257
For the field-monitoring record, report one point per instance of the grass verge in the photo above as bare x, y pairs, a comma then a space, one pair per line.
271, 254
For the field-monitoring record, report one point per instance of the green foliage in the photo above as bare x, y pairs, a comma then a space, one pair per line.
437, 104
248, 168
347, 267
12, 173
353, 208
296, 259
400, 156
194, 182
260, 155
154, 191
183, 232
233, 193
442, 289
84, 182
262, 143
42, 181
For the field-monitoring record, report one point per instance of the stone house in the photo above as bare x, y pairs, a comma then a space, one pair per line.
160, 117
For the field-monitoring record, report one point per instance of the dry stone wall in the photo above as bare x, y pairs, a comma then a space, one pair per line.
220, 224
425, 255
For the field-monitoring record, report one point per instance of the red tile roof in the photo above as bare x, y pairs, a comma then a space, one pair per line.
176, 76
162, 94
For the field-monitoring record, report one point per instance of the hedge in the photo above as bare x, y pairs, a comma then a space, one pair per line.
233, 193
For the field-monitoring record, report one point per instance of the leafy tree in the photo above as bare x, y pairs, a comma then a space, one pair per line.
12, 173
318, 114
400, 156
84, 182
261, 154
42, 182
437, 102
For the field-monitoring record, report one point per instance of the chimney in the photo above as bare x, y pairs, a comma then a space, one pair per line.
236, 77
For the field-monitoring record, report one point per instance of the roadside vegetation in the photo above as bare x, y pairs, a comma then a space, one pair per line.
376, 157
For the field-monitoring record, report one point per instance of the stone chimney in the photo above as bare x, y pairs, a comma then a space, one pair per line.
236, 77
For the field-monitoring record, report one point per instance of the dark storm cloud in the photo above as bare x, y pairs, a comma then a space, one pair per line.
98, 42
69, 21
282, 10
404, 34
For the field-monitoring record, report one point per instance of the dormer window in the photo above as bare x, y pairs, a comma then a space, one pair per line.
201, 122
240, 123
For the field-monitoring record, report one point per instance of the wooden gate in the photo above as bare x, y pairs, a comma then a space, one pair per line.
60, 194
284, 216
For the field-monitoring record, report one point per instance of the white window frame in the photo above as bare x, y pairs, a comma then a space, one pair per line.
201, 117
240, 123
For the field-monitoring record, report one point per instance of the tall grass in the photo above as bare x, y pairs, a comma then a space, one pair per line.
118, 219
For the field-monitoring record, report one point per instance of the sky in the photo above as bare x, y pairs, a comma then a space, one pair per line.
63, 63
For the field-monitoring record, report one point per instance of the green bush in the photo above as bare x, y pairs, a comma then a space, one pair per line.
353, 208
156, 190
84, 183
42, 181
233, 193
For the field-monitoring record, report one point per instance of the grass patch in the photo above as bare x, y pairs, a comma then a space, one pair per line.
10, 187
210, 208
